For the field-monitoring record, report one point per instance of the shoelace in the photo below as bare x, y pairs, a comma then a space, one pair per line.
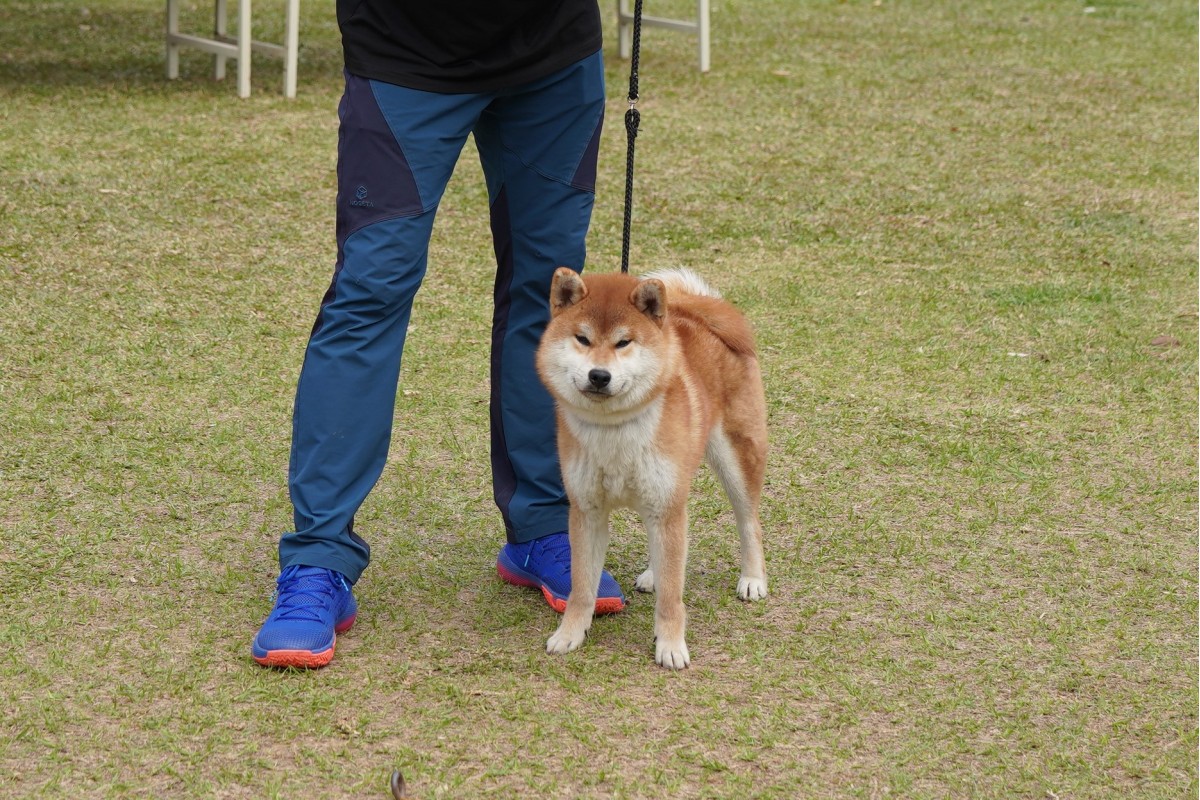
557, 548
318, 588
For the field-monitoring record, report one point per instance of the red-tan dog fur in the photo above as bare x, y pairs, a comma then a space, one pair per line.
651, 377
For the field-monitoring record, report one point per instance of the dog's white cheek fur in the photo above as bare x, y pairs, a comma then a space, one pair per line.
637, 373
563, 363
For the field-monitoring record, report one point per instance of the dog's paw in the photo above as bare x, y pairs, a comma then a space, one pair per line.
564, 641
752, 588
671, 655
645, 582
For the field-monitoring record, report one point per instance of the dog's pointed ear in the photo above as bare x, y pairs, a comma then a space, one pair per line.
650, 298
566, 289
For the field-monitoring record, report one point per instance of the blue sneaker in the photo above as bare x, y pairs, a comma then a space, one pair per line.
545, 564
312, 606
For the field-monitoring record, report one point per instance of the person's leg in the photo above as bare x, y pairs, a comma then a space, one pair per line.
538, 146
396, 151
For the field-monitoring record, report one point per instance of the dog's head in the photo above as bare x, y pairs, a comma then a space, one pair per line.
604, 350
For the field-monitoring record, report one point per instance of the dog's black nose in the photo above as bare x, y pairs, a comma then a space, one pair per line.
599, 377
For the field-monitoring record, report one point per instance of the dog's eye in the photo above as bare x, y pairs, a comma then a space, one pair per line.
623, 343
583, 340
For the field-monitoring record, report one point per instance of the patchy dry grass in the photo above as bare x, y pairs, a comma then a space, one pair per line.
967, 237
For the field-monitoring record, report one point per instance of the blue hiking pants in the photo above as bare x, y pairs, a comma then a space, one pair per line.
397, 148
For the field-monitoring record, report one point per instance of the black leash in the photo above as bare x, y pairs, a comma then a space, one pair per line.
632, 119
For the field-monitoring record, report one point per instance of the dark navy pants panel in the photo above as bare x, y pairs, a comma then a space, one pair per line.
375, 180
504, 478
429, 126
533, 147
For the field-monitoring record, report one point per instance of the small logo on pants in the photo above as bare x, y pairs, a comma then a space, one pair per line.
360, 198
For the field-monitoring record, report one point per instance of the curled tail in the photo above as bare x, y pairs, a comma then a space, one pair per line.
693, 301
682, 279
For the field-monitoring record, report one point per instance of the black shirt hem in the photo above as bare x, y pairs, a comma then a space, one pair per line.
508, 80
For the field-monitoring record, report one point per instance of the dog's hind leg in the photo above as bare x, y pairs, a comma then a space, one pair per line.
588, 535
739, 459
645, 581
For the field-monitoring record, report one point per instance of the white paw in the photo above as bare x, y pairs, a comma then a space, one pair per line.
671, 655
752, 588
564, 641
645, 582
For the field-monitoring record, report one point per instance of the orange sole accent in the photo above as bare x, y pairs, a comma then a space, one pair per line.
607, 605
558, 605
297, 659
305, 659
604, 605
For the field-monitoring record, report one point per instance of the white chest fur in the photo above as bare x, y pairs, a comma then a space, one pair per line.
619, 465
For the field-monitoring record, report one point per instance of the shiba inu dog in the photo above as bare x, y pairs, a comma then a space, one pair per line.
650, 377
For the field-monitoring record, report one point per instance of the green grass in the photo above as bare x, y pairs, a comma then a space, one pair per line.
961, 231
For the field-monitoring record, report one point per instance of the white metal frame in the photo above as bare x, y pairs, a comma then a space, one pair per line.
700, 27
223, 46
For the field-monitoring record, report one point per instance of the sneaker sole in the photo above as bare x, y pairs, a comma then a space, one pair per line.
304, 659
604, 605
295, 659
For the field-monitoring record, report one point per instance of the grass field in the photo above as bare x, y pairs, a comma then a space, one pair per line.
966, 234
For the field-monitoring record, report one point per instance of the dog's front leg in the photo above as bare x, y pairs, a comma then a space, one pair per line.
588, 534
668, 543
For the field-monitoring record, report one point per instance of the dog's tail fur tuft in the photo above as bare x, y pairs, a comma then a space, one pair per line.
702, 305
682, 279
